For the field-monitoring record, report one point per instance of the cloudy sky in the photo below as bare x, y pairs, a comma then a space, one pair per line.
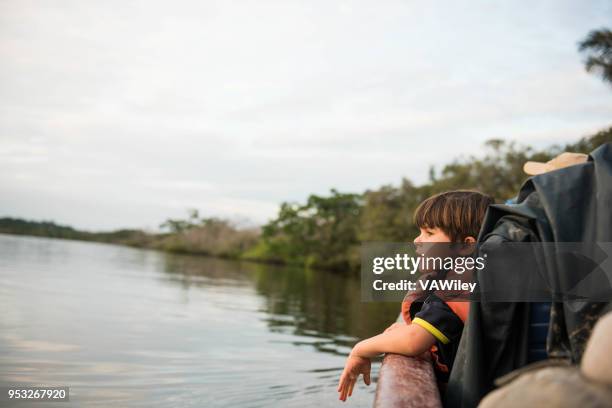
123, 113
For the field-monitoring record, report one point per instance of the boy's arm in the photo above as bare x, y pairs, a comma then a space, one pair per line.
409, 340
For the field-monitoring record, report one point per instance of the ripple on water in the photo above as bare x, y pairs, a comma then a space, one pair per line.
131, 328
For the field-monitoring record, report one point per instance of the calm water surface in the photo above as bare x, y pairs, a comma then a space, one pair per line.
137, 328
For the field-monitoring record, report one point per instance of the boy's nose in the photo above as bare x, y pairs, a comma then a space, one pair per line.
417, 240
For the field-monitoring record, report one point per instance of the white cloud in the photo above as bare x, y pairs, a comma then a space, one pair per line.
120, 114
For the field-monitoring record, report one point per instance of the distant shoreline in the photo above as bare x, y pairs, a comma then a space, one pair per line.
107, 239
326, 231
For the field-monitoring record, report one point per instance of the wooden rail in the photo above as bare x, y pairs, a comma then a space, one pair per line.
407, 382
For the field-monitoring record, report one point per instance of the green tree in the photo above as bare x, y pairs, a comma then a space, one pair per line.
598, 47
387, 212
320, 233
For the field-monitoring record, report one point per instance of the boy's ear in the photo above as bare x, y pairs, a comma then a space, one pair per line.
468, 246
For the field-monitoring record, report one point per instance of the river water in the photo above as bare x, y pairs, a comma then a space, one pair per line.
139, 328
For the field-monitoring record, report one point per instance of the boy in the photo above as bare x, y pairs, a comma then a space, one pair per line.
453, 216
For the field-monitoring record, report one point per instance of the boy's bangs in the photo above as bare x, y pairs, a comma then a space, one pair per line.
457, 213
430, 214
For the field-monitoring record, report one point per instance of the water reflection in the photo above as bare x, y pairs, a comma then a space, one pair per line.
316, 304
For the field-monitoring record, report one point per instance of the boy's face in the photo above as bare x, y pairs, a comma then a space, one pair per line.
431, 235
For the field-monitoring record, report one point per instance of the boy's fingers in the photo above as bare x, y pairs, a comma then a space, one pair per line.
342, 390
366, 378
343, 393
347, 387
341, 382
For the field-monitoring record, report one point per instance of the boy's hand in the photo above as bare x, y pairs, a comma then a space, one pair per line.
394, 326
354, 366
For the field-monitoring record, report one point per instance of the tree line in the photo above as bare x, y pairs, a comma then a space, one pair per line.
325, 231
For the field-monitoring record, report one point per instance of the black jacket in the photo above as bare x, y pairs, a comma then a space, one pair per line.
573, 204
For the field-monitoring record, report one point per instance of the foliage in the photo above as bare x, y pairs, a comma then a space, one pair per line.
326, 231
206, 236
318, 233
50, 229
598, 47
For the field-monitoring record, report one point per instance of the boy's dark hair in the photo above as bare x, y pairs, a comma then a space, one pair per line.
458, 213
